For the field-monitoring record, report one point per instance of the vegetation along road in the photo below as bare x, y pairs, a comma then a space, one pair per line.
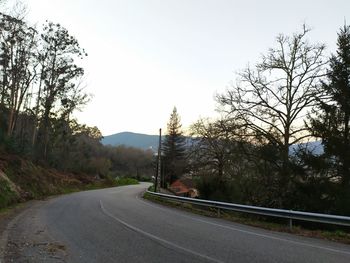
117, 225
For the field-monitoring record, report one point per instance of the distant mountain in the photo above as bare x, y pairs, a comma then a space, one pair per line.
315, 147
137, 140
145, 142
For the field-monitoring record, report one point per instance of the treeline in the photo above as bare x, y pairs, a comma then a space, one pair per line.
41, 85
261, 151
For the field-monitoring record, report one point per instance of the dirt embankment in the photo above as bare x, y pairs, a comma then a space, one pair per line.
21, 180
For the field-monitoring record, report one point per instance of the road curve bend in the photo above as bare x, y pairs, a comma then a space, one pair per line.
117, 225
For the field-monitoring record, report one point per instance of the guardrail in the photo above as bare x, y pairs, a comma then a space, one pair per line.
288, 214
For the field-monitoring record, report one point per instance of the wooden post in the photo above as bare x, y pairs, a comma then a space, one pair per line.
158, 178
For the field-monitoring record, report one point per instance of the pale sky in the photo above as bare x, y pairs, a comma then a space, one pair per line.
147, 56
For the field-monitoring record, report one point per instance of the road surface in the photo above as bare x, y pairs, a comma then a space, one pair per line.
117, 225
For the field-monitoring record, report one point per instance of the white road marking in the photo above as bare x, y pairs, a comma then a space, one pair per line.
247, 231
151, 236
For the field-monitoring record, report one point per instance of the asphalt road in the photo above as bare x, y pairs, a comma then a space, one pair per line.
117, 225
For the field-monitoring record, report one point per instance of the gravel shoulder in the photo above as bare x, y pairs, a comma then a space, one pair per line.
25, 238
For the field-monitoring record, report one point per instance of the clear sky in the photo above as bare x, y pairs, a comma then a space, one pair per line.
147, 56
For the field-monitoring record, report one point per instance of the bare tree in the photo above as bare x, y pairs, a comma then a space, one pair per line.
212, 145
272, 99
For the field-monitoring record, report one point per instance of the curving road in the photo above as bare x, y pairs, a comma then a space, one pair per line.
117, 225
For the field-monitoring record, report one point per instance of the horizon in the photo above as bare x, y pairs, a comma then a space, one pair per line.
132, 133
193, 54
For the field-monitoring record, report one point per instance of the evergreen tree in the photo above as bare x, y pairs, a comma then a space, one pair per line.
333, 120
174, 150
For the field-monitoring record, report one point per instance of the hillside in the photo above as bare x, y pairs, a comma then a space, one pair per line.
22, 180
137, 140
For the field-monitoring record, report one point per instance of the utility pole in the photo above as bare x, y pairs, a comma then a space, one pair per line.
158, 175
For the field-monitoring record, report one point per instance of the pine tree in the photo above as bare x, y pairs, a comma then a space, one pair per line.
333, 120
174, 150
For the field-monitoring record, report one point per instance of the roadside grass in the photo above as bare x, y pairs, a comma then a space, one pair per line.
7, 210
126, 181
7, 195
102, 184
8, 202
151, 188
99, 185
332, 233
21, 180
